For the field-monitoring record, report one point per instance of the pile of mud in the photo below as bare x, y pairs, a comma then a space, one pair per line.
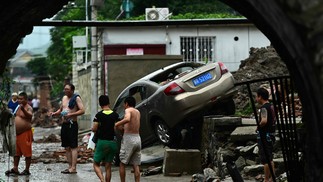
262, 63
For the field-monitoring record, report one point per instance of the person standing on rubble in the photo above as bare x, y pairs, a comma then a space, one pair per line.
266, 133
71, 107
106, 146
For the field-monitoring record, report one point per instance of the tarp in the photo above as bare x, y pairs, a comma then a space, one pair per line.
8, 131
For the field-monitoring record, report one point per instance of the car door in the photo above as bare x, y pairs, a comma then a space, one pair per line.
139, 92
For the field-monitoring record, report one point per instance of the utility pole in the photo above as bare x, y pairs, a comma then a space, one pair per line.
94, 63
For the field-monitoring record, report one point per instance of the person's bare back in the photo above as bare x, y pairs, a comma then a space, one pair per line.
131, 122
134, 121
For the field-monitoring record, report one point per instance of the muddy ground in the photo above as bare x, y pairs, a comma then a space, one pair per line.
45, 168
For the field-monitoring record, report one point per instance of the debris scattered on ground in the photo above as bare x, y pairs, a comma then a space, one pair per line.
84, 156
152, 170
50, 139
41, 118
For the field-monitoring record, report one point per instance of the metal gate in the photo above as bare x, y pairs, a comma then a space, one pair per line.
283, 96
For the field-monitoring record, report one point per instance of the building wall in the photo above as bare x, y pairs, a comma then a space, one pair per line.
83, 87
228, 50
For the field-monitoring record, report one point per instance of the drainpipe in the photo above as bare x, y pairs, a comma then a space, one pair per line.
94, 63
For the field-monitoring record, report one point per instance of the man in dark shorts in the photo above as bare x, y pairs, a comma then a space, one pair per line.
72, 106
266, 132
106, 146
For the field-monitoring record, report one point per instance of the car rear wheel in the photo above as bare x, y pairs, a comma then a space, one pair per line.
163, 133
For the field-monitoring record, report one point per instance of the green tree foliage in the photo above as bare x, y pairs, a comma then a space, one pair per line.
110, 10
38, 66
183, 6
60, 52
5, 82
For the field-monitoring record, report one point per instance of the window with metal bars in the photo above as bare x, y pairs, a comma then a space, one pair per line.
198, 49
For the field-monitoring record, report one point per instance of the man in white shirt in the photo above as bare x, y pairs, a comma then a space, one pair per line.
35, 103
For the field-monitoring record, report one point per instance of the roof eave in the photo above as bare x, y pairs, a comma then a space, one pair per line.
80, 23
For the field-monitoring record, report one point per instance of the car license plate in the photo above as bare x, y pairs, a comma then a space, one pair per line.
201, 79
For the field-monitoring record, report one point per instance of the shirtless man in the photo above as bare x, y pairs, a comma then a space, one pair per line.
130, 152
24, 135
72, 106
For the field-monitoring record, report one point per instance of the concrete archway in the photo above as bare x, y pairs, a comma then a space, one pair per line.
293, 30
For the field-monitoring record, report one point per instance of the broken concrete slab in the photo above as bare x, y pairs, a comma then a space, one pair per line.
223, 120
248, 122
182, 161
244, 133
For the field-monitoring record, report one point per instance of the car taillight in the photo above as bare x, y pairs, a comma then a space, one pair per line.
173, 89
223, 68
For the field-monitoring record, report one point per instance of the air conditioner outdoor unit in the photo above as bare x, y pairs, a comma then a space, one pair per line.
157, 13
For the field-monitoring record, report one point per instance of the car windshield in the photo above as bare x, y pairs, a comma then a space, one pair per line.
174, 73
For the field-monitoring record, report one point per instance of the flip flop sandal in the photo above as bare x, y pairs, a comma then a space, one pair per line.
69, 172
25, 173
11, 171
65, 171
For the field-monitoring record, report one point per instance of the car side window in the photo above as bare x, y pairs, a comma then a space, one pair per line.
119, 108
139, 93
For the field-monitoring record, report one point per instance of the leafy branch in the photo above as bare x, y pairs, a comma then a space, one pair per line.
5, 82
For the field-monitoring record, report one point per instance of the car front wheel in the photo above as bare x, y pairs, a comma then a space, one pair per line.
163, 132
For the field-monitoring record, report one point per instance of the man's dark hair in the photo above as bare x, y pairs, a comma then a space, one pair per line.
23, 94
131, 101
104, 100
71, 85
263, 93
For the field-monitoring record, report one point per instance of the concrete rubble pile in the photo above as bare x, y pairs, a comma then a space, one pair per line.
220, 147
226, 140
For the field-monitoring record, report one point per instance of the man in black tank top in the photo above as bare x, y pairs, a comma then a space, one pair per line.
265, 132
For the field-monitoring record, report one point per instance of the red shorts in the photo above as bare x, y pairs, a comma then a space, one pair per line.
23, 144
